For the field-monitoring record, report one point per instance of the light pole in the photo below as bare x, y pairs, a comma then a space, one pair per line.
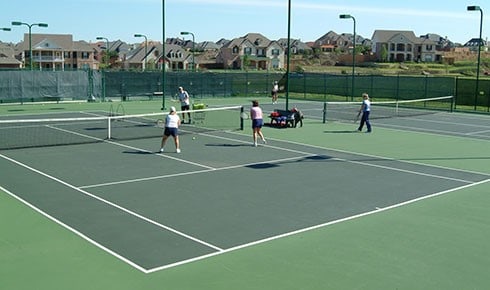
107, 47
347, 16
477, 8
146, 48
288, 56
193, 48
18, 23
163, 55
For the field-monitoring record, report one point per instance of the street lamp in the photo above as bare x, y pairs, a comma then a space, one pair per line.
347, 16
288, 56
163, 55
146, 47
107, 46
193, 48
477, 8
17, 23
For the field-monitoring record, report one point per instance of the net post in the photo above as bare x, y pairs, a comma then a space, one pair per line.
324, 112
108, 128
241, 119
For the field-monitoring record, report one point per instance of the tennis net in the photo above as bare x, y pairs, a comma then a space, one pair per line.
341, 111
32, 131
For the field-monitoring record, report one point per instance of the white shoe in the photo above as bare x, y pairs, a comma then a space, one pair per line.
263, 140
178, 150
255, 144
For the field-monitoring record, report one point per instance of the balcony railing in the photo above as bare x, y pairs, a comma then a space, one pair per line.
46, 58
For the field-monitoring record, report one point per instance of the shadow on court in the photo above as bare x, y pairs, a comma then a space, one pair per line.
227, 145
341, 131
269, 165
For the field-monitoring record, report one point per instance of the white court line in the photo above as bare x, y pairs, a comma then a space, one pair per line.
304, 154
377, 210
131, 147
132, 213
220, 251
478, 133
195, 172
452, 123
431, 131
76, 232
366, 155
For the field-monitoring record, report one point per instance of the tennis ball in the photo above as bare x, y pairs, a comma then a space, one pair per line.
193, 138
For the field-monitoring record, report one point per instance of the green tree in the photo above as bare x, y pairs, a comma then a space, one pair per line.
384, 53
245, 62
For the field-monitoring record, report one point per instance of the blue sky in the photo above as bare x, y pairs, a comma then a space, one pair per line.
211, 20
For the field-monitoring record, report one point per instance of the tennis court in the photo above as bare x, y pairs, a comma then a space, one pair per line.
158, 211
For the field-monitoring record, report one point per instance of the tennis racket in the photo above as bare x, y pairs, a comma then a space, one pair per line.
244, 116
357, 117
175, 98
160, 123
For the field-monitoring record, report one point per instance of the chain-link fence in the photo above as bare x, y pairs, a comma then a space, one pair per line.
30, 86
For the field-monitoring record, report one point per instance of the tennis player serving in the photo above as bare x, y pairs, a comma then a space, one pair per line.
172, 123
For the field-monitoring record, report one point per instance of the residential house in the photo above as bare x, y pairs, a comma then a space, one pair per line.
472, 44
176, 57
207, 46
400, 46
56, 52
118, 50
442, 43
297, 47
327, 42
222, 42
7, 59
176, 41
139, 57
252, 51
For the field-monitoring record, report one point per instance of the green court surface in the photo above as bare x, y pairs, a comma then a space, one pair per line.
317, 207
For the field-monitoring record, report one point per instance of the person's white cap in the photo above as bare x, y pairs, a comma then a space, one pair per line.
172, 109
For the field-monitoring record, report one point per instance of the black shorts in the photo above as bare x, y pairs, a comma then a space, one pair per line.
184, 107
170, 132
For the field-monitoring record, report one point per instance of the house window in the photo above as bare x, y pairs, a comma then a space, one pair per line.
400, 47
247, 50
85, 55
235, 49
275, 52
66, 54
392, 46
428, 47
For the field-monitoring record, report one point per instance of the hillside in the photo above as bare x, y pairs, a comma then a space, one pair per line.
329, 63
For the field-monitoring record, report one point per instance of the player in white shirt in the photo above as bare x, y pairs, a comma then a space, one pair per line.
365, 110
172, 123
